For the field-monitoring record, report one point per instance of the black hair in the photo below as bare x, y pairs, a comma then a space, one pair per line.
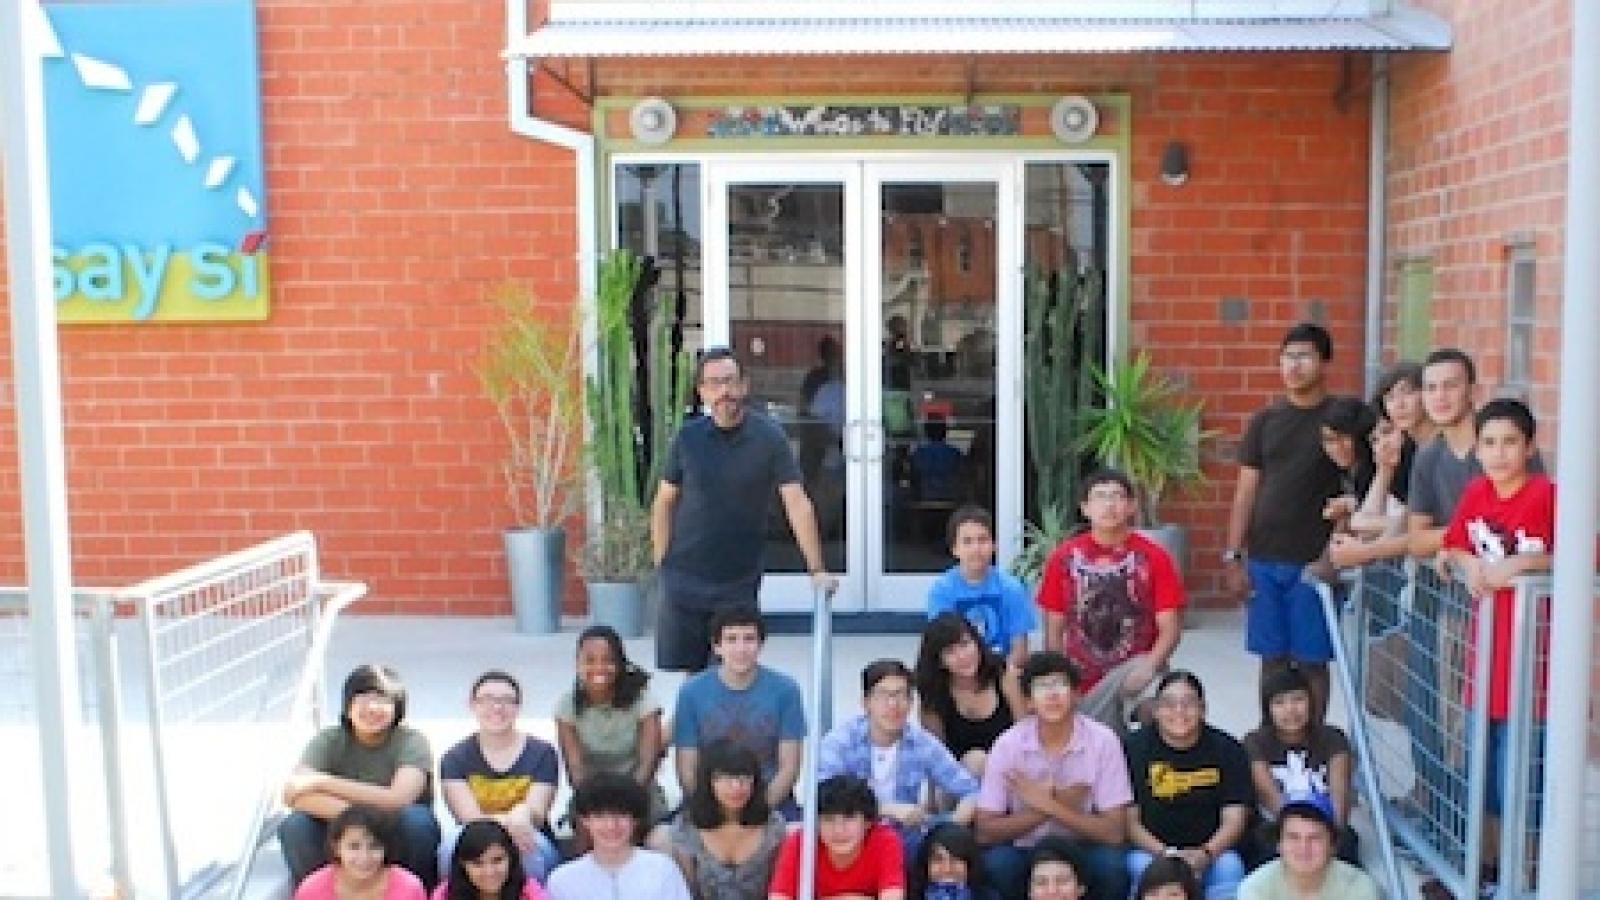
1043, 663
495, 675
1453, 355
970, 513
879, 670
726, 757
936, 428
711, 355
1184, 676
1507, 409
957, 840
847, 795
1055, 848
372, 678
1164, 871
1310, 333
738, 614
1105, 476
631, 678
933, 680
1286, 681
613, 792
373, 821
475, 840
1400, 373
1355, 420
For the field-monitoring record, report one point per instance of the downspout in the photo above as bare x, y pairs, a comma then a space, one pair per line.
524, 122
1377, 218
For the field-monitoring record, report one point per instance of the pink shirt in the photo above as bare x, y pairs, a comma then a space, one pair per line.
1093, 756
323, 884
530, 891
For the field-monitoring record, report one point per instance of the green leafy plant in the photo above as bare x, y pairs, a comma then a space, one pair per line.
1062, 337
1146, 429
529, 369
1056, 524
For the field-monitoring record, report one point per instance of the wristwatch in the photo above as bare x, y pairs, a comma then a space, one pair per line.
1232, 555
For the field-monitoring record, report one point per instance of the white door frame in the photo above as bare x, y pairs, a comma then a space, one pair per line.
864, 585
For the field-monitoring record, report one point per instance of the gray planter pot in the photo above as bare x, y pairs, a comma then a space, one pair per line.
535, 560
618, 604
1175, 540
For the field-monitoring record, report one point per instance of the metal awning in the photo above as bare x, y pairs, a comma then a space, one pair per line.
590, 29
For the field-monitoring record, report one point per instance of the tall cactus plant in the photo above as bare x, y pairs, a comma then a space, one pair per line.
1063, 336
615, 445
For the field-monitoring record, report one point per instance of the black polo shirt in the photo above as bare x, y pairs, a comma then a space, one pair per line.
727, 480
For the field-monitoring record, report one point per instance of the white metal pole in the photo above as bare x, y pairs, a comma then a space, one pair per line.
1578, 475
34, 360
1377, 218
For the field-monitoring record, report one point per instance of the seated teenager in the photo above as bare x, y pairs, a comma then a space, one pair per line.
486, 865
1306, 868
992, 599
608, 721
746, 702
968, 697
857, 856
1191, 788
948, 866
895, 756
357, 840
1056, 871
1055, 772
1293, 754
1113, 602
613, 810
370, 759
502, 773
726, 838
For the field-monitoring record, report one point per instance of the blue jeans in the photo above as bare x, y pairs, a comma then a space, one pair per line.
1006, 868
1220, 882
304, 840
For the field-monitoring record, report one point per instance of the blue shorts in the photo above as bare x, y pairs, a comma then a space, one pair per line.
1284, 617
1494, 795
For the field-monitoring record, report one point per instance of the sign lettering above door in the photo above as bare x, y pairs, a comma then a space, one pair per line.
866, 120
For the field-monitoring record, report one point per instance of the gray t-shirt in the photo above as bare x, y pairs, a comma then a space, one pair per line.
727, 479
608, 734
1438, 477
336, 751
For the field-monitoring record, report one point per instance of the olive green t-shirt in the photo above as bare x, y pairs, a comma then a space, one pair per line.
337, 752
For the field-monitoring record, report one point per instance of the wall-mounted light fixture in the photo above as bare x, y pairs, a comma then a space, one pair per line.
1175, 163
652, 121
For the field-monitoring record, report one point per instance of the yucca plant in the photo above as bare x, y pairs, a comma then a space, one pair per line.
1056, 524
1147, 429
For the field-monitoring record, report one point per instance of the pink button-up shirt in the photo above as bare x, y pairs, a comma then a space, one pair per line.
1093, 756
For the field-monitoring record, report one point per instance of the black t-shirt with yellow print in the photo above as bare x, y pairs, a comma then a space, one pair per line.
1180, 794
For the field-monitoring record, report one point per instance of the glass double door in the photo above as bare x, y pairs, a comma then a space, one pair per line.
878, 309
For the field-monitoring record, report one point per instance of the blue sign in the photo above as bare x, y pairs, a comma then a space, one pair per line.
153, 130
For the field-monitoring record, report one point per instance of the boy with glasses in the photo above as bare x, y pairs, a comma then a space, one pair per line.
1055, 772
1113, 602
368, 759
502, 773
894, 755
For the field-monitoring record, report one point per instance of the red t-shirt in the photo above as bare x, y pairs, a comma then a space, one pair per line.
1110, 597
878, 867
1492, 528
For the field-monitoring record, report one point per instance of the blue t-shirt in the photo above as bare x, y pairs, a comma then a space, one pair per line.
759, 717
998, 606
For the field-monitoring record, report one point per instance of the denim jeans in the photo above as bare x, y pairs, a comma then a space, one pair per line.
304, 840
1006, 867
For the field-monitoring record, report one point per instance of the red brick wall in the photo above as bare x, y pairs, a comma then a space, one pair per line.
398, 196
1477, 153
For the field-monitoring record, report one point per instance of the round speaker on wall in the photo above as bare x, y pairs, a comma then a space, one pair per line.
653, 121
1073, 120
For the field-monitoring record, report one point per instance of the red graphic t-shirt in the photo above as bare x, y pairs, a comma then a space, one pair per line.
1492, 528
1109, 597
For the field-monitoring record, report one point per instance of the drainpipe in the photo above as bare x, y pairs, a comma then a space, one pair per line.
1377, 218
525, 123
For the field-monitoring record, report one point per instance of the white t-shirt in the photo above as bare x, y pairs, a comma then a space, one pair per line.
647, 875
885, 761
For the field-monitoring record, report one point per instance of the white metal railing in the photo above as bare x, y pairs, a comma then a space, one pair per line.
222, 673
